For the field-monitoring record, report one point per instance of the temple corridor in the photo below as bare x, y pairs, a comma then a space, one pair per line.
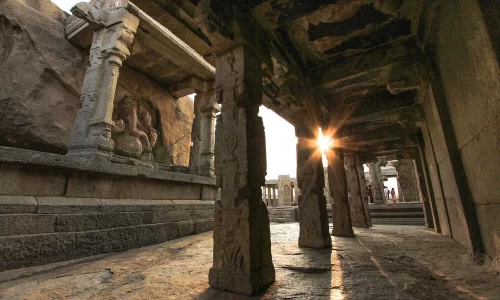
384, 262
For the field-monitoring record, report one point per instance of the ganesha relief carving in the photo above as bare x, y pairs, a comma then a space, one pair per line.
133, 133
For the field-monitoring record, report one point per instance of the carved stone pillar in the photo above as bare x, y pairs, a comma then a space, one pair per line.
242, 242
337, 180
356, 201
264, 195
114, 31
362, 185
276, 202
407, 179
311, 181
377, 183
201, 160
271, 200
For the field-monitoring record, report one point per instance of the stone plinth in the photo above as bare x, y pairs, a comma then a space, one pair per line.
68, 207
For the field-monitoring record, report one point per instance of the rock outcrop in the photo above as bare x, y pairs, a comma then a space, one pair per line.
41, 78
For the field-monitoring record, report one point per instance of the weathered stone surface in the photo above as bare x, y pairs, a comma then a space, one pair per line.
157, 233
135, 205
311, 181
17, 204
64, 205
42, 78
89, 222
337, 180
376, 183
356, 205
204, 225
171, 216
16, 180
285, 197
28, 250
26, 224
407, 180
104, 241
187, 228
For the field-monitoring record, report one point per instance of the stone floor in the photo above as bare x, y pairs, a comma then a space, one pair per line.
385, 262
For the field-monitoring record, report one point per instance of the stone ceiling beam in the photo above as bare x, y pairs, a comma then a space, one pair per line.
329, 75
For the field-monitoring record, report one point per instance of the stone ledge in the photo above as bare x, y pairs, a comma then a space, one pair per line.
35, 158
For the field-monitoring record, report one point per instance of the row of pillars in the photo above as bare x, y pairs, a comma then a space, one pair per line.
269, 193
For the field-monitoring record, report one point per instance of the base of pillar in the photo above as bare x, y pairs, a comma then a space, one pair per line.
324, 242
242, 283
341, 217
378, 202
360, 225
313, 222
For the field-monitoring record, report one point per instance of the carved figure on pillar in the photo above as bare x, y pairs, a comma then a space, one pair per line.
337, 179
114, 30
311, 181
356, 201
407, 180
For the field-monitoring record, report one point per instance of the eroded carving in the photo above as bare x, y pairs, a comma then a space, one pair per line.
133, 133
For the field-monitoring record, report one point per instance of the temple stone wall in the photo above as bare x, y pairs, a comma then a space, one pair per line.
470, 76
55, 208
42, 76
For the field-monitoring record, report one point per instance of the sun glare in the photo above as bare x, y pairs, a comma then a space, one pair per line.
324, 142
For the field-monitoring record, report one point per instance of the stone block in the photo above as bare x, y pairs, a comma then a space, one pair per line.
171, 216
204, 225
193, 204
202, 214
68, 205
17, 204
104, 241
104, 186
209, 193
157, 233
31, 181
187, 228
136, 205
89, 222
26, 224
31, 250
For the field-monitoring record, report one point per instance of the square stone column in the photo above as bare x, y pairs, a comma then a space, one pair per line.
364, 196
407, 179
201, 157
284, 190
377, 183
274, 197
356, 201
264, 195
313, 218
337, 181
114, 31
242, 242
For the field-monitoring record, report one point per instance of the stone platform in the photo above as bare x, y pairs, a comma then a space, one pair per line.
283, 214
383, 262
409, 213
55, 208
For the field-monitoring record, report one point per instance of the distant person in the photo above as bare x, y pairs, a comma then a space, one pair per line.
388, 194
369, 192
393, 194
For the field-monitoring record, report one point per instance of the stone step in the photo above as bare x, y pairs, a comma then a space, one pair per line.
390, 214
398, 221
281, 220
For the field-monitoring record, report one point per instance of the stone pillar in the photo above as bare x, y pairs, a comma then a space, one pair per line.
337, 180
284, 190
313, 218
422, 185
274, 197
114, 31
377, 183
201, 157
242, 242
271, 199
356, 201
407, 179
264, 195
362, 186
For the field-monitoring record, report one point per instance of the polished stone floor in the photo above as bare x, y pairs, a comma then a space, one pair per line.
384, 262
